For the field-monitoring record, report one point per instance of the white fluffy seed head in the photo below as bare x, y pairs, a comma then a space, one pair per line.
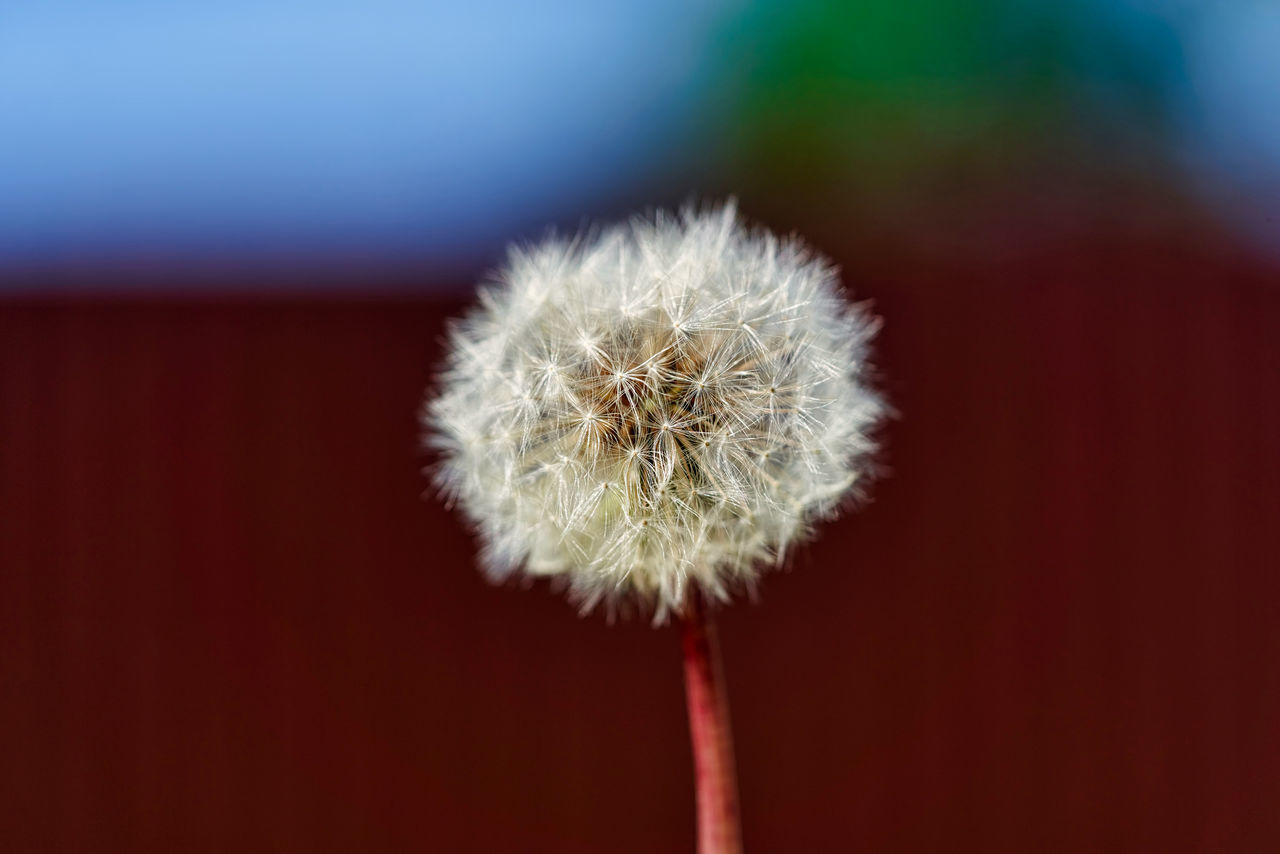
667, 403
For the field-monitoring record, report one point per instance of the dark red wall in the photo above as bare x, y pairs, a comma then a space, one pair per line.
229, 620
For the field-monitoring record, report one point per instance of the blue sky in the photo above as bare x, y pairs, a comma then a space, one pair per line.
249, 129
255, 127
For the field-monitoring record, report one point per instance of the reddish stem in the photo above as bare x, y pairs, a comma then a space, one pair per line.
715, 779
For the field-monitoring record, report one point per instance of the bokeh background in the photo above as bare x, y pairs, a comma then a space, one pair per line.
230, 235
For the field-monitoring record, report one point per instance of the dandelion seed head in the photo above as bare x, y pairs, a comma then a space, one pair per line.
669, 403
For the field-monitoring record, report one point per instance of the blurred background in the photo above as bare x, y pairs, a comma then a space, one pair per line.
230, 235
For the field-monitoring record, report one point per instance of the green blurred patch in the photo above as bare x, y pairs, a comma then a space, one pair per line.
877, 95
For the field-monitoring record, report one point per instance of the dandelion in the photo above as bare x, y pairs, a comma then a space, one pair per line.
653, 414
664, 405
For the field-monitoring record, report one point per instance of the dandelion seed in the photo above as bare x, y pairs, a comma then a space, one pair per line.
673, 402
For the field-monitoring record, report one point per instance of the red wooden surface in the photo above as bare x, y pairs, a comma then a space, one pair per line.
230, 622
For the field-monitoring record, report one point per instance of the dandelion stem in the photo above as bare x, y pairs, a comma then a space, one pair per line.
714, 778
